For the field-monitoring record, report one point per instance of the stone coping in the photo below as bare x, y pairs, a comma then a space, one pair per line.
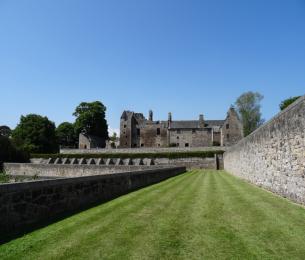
18, 186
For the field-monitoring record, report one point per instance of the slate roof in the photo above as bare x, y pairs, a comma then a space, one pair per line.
190, 124
127, 114
214, 122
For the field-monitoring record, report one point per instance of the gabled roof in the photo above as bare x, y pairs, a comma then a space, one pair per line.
128, 114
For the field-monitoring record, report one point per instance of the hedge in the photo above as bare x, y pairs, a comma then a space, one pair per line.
170, 155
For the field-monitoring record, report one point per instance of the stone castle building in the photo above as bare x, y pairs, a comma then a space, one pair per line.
137, 131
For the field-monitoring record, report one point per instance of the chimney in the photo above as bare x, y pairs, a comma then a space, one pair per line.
169, 117
201, 121
150, 115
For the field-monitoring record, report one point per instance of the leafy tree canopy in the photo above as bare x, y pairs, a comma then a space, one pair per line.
66, 135
91, 119
35, 134
248, 107
114, 136
5, 131
288, 102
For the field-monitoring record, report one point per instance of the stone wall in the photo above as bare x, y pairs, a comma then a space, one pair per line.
153, 135
67, 170
273, 156
192, 138
142, 150
25, 204
190, 163
42, 169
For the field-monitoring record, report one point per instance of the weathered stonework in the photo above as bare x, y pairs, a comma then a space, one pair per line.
90, 141
43, 169
66, 170
24, 204
273, 156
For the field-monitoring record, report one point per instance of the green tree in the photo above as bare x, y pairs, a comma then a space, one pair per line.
248, 107
91, 119
35, 134
288, 102
5, 131
66, 135
9, 153
113, 137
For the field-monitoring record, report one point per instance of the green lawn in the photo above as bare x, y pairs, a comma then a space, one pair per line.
197, 215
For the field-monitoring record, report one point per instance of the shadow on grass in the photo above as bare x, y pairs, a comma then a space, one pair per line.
14, 234
45, 221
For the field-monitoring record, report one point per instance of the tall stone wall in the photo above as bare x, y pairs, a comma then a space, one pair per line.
25, 204
273, 156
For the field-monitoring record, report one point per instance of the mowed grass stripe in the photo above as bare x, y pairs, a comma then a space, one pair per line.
277, 226
132, 224
221, 238
197, 215
165, 234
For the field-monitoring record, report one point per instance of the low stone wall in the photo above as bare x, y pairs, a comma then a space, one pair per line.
25, 204
273, 156
144, 150
191, 162
37, 167
67, 170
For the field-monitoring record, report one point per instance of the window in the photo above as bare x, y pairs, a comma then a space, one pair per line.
158, 131
142, 145
124, 126
186, 144
194, 131
227, 126
178, 137
138, 131
228, 136
158, 145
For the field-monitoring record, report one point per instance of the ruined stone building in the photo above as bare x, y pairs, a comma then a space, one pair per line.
90, 141
137, 131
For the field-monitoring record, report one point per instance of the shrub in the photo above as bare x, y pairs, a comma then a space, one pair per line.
4, 178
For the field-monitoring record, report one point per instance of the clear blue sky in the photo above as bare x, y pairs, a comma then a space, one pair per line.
183, 56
